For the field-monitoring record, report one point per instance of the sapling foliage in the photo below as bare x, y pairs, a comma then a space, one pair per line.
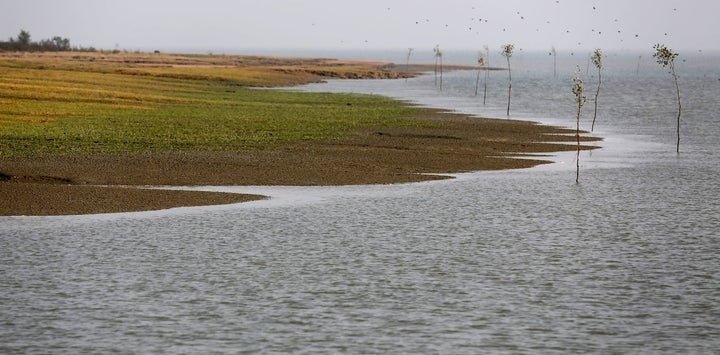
507, 52
578, 89
597, 61
666, 57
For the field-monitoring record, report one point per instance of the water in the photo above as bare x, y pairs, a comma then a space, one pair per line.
510, 261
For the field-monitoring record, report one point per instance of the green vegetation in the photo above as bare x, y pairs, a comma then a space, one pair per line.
63, 106
23, 43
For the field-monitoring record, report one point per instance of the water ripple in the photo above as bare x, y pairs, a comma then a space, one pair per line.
514, 261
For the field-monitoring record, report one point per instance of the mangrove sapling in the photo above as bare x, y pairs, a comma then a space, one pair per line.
407, 62
578, 90
481, 64
666, 57
440, 54
587, 69
553, 52
597, 61
436, 50
438, 59
507, 52
487, 72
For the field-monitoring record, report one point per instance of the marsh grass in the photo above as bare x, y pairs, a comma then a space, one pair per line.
84, 107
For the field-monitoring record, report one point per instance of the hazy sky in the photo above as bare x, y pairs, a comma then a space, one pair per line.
227, 25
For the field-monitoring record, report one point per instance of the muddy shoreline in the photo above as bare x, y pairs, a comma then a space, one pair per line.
82, 184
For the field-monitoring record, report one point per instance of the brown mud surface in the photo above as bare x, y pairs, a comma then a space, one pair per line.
67, 184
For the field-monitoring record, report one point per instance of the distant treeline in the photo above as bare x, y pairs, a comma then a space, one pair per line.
56, 44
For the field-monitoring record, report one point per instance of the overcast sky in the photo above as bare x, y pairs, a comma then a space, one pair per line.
227, 25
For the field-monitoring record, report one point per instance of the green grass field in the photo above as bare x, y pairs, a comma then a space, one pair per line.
63, 106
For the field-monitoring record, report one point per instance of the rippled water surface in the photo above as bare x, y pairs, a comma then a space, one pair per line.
511, 261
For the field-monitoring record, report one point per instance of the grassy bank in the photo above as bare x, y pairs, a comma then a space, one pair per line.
72, 104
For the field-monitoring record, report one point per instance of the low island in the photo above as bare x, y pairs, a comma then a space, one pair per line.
81, 132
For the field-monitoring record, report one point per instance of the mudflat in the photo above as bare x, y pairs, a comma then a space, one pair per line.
63, 183
102, 183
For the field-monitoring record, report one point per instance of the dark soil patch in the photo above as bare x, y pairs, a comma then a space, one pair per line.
379, 156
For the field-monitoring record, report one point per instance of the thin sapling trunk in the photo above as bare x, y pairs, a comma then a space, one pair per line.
436, 50
441, 72
487, 72
579, 91
509, 86
507, 53
477, 81
597, 61
407, 62
677, 89
481, 65
438, 58
553, 52
666, 57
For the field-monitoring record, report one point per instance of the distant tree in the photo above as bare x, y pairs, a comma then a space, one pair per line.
507, 52
55, 44
481, 65
578, 90
23, 43
666, 57
61, 44
8, 45
23, 40
597, 61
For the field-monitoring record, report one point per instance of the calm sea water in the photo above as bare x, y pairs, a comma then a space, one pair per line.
626, 261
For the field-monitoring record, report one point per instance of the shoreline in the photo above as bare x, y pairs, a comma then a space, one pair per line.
437, 142
90, 184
